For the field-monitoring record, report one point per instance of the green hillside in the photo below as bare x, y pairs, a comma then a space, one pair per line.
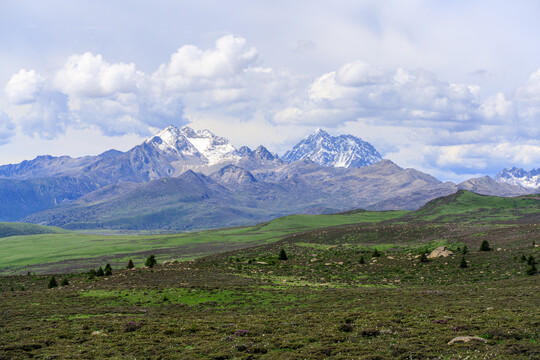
466, 206
18, 229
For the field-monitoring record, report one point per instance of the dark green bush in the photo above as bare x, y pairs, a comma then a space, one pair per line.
283, 255
463, 263
130, 264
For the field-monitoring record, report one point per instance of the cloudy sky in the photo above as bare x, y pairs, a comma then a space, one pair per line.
451, 88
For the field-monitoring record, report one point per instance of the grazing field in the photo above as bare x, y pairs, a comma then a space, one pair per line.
71, 251
356, 291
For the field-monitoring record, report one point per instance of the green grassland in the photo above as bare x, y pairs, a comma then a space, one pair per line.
62, 251
354, 288
71, 251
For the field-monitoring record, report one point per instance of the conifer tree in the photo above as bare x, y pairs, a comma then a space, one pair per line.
151, 261
100, 272
91, 274
465, 250
64, 282
108, 270
283, 255
463, 263
485, 246
532, 270
130, 264
52, 283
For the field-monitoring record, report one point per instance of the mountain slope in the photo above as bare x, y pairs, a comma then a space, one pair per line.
488, 186
338, 151
234, 196
190, 201
19, 198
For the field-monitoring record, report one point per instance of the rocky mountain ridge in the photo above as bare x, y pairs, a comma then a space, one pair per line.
182, 179
337, 151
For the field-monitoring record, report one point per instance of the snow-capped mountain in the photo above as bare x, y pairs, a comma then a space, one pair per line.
187, 142
214, 148
337, 151
518, 176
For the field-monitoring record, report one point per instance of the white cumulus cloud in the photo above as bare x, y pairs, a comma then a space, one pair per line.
88, 75
191, 68
24, 87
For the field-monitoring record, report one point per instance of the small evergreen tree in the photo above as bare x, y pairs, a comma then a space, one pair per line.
376, 253
532, 270
151, 261
108, 270
523, 258
64, 282
530, 260
465, 250
361, 261
283, 255
52, 283
91, 274
100, 272
463, 263
130, 264
484, 246
423, 258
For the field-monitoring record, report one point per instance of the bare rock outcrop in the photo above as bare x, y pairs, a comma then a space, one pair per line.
440, 251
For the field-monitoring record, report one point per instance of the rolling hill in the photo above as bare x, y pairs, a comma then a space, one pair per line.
465, 207
20, 229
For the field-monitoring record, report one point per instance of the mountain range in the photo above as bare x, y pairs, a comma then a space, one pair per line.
520, 177
183, 179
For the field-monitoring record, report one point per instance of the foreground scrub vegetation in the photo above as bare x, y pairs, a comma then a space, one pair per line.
347, 292
320, 303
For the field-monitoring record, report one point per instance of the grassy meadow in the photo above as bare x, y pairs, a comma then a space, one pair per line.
66, 251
